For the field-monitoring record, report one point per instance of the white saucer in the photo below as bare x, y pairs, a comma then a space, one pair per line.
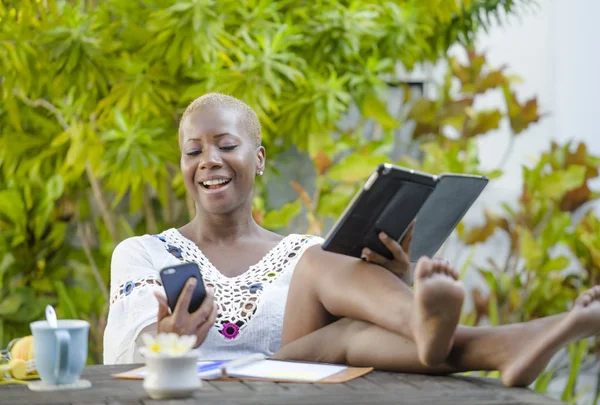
172, 393
42, 386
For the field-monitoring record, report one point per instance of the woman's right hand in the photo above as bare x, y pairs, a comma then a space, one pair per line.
181, 321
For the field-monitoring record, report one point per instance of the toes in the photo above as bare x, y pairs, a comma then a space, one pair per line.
454, 273
423, 268
441, 266
587, 297
585, 300
427, 267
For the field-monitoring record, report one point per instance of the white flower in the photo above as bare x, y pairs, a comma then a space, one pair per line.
169, 344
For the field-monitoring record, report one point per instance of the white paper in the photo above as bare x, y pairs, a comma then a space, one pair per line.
286, 370
268, 369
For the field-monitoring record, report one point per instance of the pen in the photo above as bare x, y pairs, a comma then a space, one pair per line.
241, 362
212, 366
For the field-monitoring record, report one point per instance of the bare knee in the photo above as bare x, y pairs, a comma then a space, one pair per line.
310, 263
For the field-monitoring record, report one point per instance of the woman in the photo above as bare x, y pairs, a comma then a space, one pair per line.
286, 297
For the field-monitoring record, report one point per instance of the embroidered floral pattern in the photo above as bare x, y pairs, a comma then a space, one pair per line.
230, 330
175, 251
237, 298
127, 288
254, 288
160, 238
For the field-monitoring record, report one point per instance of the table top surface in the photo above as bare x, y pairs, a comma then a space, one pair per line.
374, 388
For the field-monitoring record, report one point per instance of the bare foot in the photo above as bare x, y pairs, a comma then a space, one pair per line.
439, 296
581, 322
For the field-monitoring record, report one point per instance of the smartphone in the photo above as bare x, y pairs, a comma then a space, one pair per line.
174, 279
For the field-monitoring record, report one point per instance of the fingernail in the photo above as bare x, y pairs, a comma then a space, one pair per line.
382, 235
363, 258
193, 282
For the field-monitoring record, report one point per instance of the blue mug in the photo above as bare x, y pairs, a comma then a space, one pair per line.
60, 353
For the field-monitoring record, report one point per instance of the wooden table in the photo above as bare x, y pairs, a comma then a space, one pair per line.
374, 388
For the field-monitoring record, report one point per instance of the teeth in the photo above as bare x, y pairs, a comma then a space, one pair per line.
215, 182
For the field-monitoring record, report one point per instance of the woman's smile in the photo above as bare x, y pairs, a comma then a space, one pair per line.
215, 185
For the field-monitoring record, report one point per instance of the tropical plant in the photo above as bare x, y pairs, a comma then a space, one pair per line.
92, 92
531, 281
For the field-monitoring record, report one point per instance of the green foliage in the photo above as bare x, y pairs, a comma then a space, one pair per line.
92, 92
531, 281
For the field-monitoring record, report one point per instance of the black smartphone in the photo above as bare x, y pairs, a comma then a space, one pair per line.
174, 279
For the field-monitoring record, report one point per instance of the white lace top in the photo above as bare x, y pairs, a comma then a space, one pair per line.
250, 306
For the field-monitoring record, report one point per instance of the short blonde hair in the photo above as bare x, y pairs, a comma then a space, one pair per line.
247, 115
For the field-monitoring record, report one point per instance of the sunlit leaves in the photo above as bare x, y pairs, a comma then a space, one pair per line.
316, 106
341, 32
561, 157
374, 108
276, 219
77, 47
137, 154
184, 32
520, 115
586, 244
476, 77
536, 227
452, 157
406, 32
355, 168
92, 92
454, 110
140, 90
482, 232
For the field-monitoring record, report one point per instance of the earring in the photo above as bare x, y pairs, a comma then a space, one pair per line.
259, 173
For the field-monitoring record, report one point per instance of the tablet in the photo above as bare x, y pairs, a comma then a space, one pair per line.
391, 198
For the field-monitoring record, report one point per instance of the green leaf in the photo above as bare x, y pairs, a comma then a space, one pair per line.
555, 264
493, 310
277, 219
54, 188
333, 203
557, 183
542, 382
10, 304
530, 249
374, 108
66, 306
576, 353
12, 207
491, 280
355, 168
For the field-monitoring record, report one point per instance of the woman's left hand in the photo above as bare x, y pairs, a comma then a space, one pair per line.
400, 264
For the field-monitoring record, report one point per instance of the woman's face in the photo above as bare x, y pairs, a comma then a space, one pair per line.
219, 160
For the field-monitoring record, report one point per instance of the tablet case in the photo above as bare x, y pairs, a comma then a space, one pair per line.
392, 198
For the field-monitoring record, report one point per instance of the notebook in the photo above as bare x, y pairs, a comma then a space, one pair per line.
268, 370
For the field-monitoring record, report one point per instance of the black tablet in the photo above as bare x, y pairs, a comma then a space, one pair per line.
392, 198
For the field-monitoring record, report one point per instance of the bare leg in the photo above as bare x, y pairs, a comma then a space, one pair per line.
326, 284
359, 343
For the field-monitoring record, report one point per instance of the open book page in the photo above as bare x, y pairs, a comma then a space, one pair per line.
286, 370
270, 370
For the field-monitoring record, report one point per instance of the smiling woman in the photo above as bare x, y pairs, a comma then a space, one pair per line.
221, 153
286, 297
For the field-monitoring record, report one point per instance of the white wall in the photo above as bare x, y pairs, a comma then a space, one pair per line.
555, 49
